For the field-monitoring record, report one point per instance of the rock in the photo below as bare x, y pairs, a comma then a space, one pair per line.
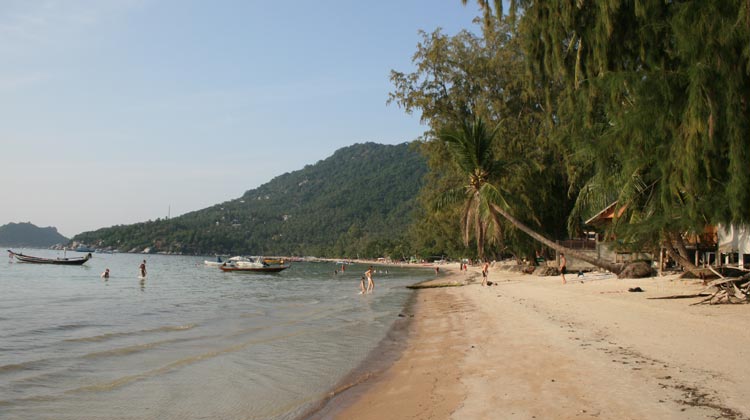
544, 270
637, 270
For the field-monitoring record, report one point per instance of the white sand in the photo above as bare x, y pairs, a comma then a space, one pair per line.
530, 347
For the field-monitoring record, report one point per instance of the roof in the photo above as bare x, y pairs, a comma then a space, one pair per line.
606, 215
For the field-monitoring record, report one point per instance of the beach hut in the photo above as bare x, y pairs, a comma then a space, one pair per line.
734, 244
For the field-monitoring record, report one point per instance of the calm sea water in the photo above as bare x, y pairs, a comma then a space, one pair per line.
191, 342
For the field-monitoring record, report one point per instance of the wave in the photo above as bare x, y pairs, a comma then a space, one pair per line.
109, 336
124, 351
180, 363
16, 367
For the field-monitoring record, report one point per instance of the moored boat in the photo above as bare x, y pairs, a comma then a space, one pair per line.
266, 269
216, 263
59, 261
246, 262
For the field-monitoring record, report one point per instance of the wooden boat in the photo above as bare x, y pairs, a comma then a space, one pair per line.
268, 269
58, 261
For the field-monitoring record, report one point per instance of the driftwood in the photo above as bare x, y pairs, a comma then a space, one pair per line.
694, 295
728, 290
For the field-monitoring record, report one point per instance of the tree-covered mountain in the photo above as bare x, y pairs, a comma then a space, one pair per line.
359, 201
28, 234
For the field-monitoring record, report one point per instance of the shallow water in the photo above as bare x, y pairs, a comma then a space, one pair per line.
191, 342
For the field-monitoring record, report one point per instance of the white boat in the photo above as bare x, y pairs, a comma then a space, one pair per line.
217, 263
238, 261
246, 262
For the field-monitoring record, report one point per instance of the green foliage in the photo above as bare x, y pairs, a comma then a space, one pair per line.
456, 79
27, 234
358, 202
653, 109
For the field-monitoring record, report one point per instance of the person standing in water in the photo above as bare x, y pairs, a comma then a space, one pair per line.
142, 267
362, 289
370, 283
105, 274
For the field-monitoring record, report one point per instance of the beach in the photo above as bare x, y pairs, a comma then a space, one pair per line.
529, 347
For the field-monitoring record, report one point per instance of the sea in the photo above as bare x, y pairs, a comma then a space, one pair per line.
189, 342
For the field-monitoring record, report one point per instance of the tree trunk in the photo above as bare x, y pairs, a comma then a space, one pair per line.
681, 256
607, 265
684, 262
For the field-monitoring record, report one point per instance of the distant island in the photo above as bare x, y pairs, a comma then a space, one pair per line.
30, 235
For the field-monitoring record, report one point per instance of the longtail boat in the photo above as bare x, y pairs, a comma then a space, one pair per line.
58, 261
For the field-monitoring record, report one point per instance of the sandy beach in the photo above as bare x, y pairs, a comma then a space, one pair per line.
531, 348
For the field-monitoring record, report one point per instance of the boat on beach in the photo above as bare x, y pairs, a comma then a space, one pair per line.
59, 261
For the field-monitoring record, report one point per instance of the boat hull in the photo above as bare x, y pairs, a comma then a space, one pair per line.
277, 269
56, 261
213, 263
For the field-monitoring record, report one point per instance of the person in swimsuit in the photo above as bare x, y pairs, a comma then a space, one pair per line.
142, 267
563, 267
370, 283
105, 274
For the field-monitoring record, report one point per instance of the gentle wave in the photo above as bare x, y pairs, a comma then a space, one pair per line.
51, 329
124, 351
15, 367
109, 336
177, 364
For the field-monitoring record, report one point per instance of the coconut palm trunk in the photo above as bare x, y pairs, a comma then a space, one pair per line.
598, 262
471, 147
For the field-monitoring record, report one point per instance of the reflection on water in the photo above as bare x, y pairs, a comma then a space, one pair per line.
199, 343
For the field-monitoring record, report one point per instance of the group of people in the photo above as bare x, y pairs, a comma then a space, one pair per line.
141, 270
370, 283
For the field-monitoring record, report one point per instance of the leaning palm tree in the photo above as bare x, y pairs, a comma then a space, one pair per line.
471, 149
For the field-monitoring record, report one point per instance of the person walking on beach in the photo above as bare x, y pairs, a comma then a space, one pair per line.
485, 272
142, 267
370, 283
563, 267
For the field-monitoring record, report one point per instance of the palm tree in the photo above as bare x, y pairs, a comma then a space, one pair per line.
471, 148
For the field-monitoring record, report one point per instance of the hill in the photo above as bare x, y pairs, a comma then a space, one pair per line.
359, 201
30, 235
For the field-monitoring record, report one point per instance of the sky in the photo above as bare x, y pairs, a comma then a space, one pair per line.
122, 111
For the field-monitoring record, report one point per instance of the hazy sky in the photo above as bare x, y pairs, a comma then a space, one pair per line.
113, 111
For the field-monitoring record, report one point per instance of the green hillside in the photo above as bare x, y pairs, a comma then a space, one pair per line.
357, 202
30, 235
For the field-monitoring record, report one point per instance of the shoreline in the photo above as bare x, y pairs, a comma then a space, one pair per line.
359, 381
529, 347
378, 360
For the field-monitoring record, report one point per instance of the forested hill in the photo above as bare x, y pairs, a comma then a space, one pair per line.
357, 202
28, 234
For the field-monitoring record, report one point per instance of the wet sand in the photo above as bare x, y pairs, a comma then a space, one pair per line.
529, 347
